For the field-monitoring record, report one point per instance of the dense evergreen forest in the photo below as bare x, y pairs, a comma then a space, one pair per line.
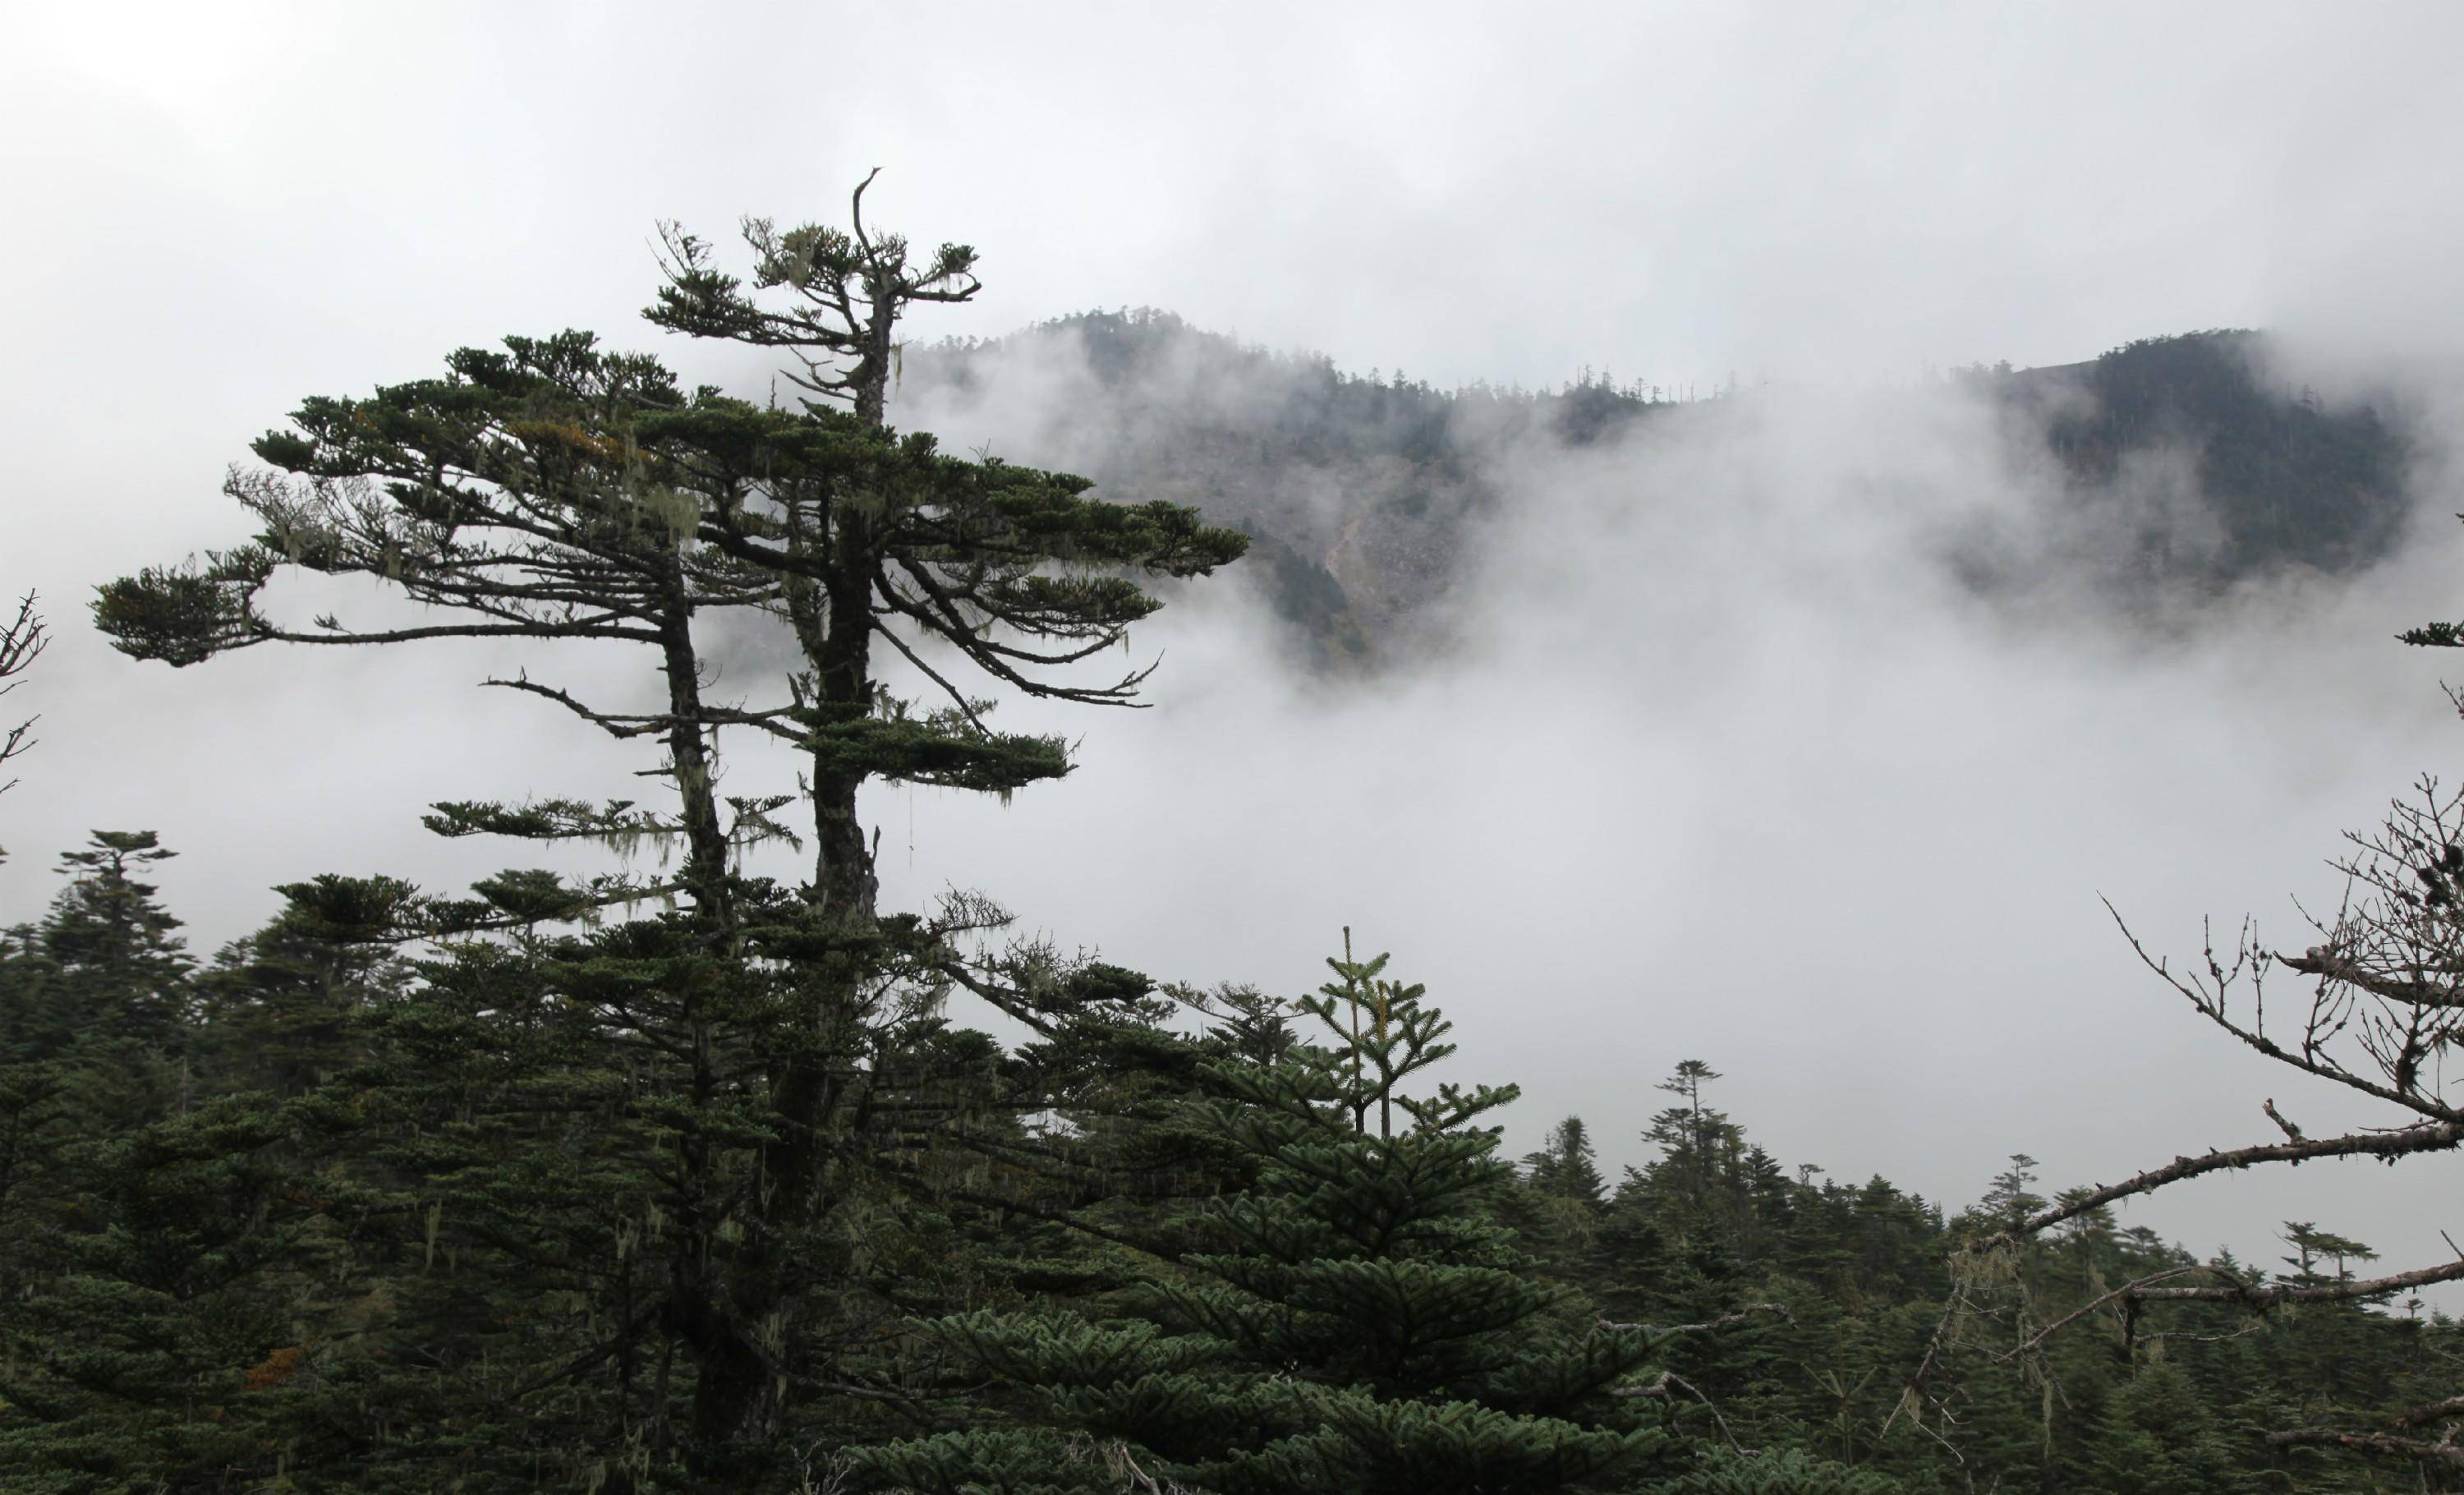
687, 1179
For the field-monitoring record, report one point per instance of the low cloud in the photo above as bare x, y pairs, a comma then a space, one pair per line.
1729, 761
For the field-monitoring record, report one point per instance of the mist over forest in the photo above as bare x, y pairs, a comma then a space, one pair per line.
1851, 682
1704, 751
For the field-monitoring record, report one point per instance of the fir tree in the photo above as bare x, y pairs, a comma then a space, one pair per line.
774, 1062
158, 1239
1564, 1198
1358, 1320
1018, 574
1563, 1169
2011, 1197
284, 1010
2161, 1439
122, 971
1696, 1182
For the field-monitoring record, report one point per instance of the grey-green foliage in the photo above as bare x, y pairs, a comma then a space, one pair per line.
1778, 1471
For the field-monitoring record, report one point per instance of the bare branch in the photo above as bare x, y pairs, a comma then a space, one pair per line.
2368, 1442
1707, 1327
2426, 1137
2130, 1292
1658, 1389
855, 212
2259, 1296
2273, 1294
2322, 961
2453, 1406
21, 643
2290, 1131
2329, 1015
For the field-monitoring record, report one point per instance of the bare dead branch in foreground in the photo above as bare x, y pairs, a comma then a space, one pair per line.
2427, 1137
2368, 1442
2453, 1406
1658, 1389
2272, 1294
21, 642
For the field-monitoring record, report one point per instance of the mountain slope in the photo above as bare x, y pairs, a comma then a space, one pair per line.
2163, 471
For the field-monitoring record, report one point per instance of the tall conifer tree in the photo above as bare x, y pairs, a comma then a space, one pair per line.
1354, 1320
781, 1052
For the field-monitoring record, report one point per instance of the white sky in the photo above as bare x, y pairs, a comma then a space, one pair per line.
216, 209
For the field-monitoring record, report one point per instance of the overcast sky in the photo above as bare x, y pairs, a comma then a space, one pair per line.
1845, 845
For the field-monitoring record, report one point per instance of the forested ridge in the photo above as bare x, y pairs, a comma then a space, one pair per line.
2171, 467
675, 1177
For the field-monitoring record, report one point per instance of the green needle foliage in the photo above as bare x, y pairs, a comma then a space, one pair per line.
1018, 574
1358, 1318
